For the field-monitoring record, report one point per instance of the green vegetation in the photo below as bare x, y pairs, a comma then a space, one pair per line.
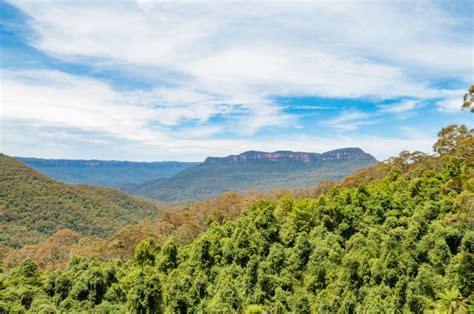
255, 170
105, 173
393, 238
33, 207
184, 225
469, 99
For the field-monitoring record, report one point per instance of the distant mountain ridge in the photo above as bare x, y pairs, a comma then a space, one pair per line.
286, 155
255, 170
105, 172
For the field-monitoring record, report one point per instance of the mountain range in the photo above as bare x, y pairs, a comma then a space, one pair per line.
105, 173
171, 181
255, 170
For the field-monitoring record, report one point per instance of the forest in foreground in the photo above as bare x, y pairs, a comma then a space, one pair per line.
395, 237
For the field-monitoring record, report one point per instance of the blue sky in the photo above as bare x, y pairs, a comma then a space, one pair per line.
150, 80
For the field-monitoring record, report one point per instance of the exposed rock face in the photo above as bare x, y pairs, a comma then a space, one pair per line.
338, 154
275, 156
256, 170
343, 153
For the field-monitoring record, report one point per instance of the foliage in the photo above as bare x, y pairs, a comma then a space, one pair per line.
183, 225
450, 301
33, 207
145, 294
456, 141
397, 237
145, 252
469, 99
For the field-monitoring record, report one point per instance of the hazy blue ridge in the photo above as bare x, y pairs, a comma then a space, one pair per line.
105, 173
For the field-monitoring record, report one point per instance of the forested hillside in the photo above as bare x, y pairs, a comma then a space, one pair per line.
396, 237
33, 206
255, 170
105, 173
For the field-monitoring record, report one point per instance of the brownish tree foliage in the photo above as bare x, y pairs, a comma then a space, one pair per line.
182, 224
456, 141
53, 253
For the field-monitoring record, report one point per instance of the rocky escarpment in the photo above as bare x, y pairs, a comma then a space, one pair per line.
256, 170
338, 154
344, 153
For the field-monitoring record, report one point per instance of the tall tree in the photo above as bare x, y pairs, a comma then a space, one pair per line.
145, 252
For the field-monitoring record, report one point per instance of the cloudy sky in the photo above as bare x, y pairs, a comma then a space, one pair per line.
149, 80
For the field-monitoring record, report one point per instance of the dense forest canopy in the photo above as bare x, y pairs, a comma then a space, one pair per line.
33, 207
395, 237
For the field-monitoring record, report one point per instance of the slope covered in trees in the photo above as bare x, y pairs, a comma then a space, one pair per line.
183, 225
397, 237
33, 206
255, 170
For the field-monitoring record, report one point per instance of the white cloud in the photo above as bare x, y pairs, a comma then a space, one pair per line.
57, 99
401, 107
350, 120
52, 114
228, 61
62, 100
451, 103
402, 110
38, 141
313, 107
261, 48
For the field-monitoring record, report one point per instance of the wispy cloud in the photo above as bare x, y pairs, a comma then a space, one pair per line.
215, 70
401, 107
222, 48
451, 103
350, 120
27, 139
59, 99
313, 107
